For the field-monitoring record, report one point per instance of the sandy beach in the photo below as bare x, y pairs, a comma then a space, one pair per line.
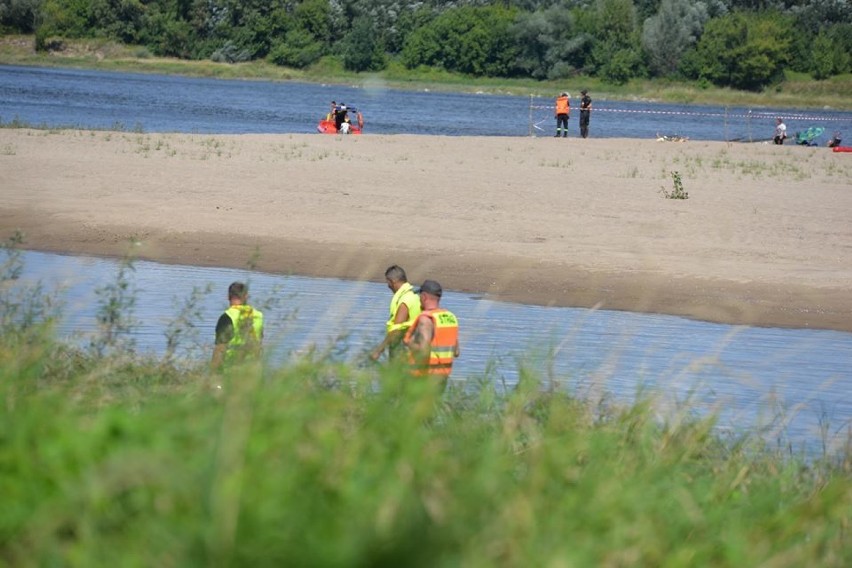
765, 237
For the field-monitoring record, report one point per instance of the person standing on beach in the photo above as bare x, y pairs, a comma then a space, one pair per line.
239, 331
780, 131
433, 340
563, 111
585, 112
404, 309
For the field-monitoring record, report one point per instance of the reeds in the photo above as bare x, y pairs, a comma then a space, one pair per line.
110, 458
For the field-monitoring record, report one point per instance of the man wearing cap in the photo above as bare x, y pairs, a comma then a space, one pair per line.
404, 309
433, 340
563, 110
585, 111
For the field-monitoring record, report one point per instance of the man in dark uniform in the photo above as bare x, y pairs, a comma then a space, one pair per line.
585, 111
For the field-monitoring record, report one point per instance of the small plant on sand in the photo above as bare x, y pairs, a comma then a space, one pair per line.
677, 191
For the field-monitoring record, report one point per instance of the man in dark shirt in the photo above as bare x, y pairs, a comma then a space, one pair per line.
585, 112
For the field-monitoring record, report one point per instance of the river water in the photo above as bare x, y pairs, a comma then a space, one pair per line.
747, 375
158, 103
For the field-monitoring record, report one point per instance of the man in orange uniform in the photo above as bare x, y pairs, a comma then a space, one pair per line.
433, 340
563, 110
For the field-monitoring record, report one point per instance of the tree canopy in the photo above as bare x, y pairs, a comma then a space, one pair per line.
744, 44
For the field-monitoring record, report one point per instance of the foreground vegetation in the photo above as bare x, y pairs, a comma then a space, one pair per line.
110, 458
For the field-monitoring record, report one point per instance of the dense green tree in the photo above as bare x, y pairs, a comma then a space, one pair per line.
549, 45
476, 41
19, 15
831, 52
363, 49
742, 50
617, 53
667, 35
298, 49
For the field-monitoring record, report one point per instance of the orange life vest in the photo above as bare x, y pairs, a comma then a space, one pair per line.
563, 106
444, 340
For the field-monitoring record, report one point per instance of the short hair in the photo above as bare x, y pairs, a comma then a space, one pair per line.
396, 274
237, 290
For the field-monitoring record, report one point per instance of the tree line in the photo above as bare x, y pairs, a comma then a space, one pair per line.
743, 44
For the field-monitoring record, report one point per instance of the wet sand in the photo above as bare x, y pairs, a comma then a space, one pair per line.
765, 237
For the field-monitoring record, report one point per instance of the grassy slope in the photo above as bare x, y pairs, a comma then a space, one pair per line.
797, 91
100, 459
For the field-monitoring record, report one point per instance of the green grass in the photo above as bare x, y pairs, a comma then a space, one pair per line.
113, 459
796, 91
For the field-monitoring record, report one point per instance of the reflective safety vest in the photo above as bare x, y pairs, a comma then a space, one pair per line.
405, 295
563, 106
248, 332
444, 341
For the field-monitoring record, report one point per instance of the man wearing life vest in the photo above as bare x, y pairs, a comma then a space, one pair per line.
563, 110
239, 331
433, 340
404, 309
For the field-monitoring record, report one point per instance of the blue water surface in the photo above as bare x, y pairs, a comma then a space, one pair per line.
747, 375
160, 103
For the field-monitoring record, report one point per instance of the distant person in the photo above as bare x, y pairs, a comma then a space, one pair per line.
239, 331
404, 309
836, 140
780, 131
433, 340
563, 111
332, 114
585, 112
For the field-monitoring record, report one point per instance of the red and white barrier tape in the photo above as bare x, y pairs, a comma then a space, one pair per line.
750, 114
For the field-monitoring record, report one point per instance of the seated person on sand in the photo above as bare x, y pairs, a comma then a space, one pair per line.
835, 140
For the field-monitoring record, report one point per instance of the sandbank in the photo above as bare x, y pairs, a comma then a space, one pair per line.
765, 237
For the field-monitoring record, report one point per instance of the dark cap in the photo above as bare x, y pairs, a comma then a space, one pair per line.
431, 287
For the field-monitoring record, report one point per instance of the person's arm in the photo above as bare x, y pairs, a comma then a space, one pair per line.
392, 336
456, 350
421, 340
224, 334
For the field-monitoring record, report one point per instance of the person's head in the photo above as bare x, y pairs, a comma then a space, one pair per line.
395, 277
778, 121
430, 294
564, 94
584, 92
237, 291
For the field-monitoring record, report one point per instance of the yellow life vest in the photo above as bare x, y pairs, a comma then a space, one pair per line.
248, 332
405, 295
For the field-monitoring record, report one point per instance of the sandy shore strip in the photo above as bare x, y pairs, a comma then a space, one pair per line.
765, 237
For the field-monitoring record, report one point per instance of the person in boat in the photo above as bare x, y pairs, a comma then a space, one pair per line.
332, 114
835, 141
404, 310
341, 116
239, 331
433, 339
780, 132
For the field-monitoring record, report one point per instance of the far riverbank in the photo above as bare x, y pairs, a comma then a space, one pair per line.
796, 92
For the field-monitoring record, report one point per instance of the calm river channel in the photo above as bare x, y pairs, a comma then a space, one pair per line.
748, 375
